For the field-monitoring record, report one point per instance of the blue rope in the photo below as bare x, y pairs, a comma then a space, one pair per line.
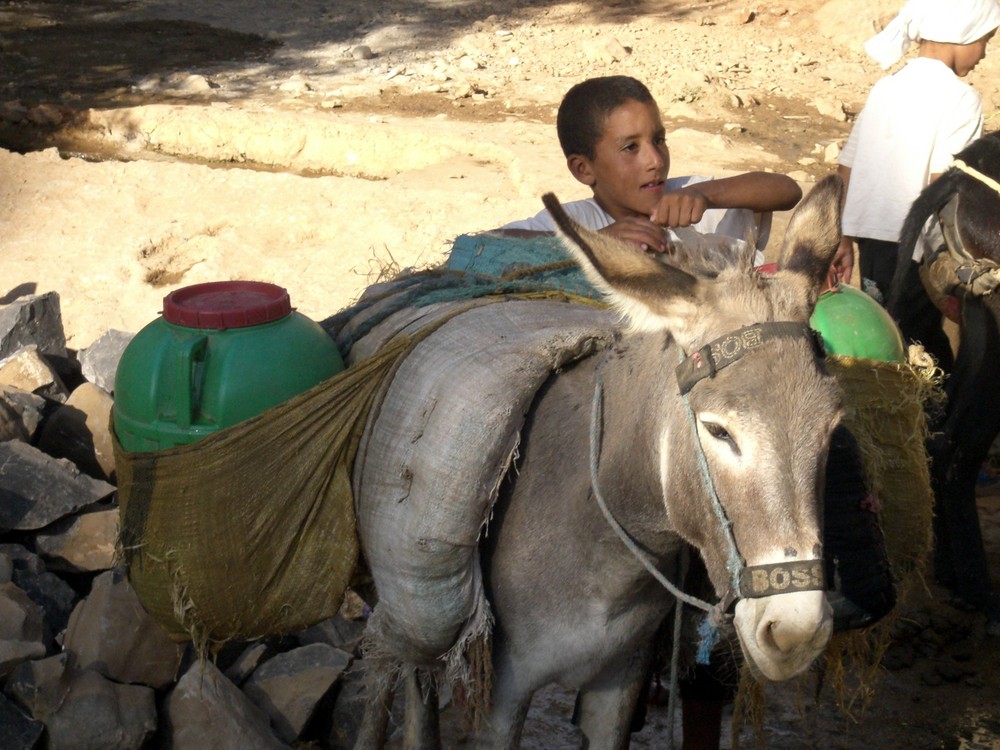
735, 563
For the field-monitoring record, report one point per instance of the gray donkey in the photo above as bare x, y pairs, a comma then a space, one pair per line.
706, 423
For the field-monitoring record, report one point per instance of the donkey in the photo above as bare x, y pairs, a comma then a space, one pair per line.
961, 275
706, 424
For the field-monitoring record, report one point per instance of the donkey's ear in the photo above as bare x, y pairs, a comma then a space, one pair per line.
653, 296
813, 233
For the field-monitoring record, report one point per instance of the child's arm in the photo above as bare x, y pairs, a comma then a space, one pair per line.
757, 191
842, 265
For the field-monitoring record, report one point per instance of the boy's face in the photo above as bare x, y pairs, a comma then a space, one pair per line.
968, 56
631, 161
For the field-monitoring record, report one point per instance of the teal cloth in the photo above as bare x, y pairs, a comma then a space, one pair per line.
478, 265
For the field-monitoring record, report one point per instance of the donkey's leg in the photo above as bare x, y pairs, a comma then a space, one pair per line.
375, 721
502, 726
421, 728
606, 705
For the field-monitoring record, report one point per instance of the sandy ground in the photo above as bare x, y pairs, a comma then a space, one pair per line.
147, 145
314, 145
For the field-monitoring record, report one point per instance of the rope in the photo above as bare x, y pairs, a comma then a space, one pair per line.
735, 562
976, 175
675, 651
596, 419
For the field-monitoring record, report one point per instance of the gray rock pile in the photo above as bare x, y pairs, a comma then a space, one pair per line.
82, 665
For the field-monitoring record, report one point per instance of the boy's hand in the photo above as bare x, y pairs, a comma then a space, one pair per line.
842, 266
638, 231
680, 208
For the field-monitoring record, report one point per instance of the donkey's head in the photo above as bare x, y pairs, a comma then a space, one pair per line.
743, 411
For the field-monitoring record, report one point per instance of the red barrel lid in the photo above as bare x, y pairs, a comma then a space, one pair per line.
226, 304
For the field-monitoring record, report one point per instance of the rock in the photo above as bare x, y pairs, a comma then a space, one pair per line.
27, 370
831, 108
22, 558
6, 568
36, 489
336, 631
98, 714
192, 83
29, 407
32, 319
11, 427
17, 730
362, 52
605, 49
40, 686
296, 85
205, 711
289, 686
82, 709
110, 632
99, 361
84, 543
244, 665
80, 431
13, 112
51, 593
348, 708
45, 115
831, 153
21, 628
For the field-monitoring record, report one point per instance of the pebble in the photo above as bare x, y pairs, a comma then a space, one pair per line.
362, 52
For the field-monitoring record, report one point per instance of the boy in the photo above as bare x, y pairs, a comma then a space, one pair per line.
910, 128
615, 143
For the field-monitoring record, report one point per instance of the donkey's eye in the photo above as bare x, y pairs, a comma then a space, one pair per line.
719, 432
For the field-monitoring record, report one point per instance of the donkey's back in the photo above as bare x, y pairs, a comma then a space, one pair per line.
619, 459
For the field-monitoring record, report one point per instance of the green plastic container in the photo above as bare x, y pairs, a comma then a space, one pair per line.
222, 352
852, 324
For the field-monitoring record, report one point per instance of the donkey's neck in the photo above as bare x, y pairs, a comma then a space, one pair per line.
645, 442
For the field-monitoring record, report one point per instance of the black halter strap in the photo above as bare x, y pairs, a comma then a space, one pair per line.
726, 349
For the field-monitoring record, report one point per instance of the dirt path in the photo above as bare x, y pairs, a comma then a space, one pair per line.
151, 144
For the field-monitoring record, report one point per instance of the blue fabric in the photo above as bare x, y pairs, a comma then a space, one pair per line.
520, 264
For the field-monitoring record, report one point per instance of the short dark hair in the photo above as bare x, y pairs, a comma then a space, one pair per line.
580, 121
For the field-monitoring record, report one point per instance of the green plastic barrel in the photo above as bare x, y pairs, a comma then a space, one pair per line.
852, 324
222, 352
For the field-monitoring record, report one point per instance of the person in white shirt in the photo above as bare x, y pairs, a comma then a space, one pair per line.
913, 123
615, 143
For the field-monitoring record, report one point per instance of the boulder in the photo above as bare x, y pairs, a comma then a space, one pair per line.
18, 731
84, 543
30, 409
99, 361
80, 431
34, 319
289, 686
205, 711
11, 427
98, 714
21, 628
28, 370
36, 489
110, 632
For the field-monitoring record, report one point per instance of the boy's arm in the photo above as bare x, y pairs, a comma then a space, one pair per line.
842, 265
757, 191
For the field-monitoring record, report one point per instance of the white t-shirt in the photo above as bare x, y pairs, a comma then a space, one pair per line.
912, 125
739, 223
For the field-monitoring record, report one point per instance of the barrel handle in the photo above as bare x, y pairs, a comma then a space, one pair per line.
189, 350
